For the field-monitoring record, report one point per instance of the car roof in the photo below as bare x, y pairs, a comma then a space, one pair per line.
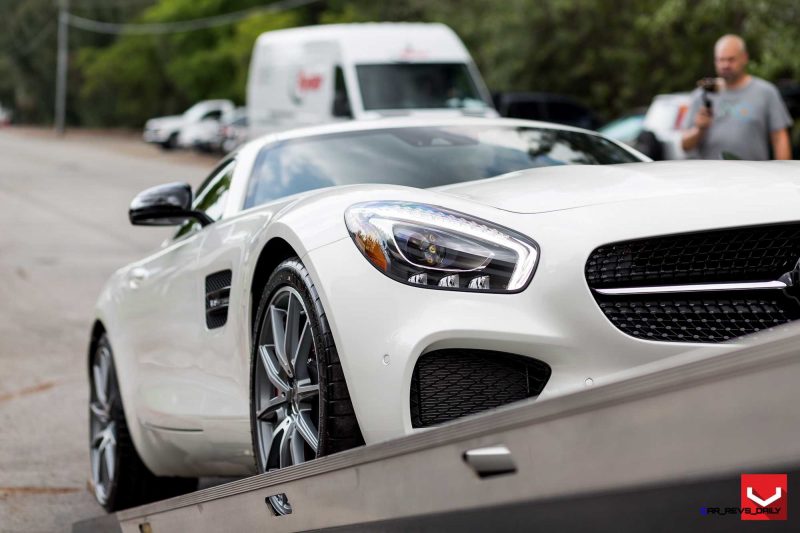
371, 42
248, 152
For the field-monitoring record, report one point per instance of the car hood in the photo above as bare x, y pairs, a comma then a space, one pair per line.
572, 186
162, 122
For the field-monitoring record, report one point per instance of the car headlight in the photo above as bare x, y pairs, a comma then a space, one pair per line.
434, 247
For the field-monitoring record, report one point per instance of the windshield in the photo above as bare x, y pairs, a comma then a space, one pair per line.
419, 157
418, 86
195, 111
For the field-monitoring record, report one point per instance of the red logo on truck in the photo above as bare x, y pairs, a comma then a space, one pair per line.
308, 82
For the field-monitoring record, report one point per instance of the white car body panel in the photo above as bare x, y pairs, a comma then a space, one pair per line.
198, 134
185, 388
159, 130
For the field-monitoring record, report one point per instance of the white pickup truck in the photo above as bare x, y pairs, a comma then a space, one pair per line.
166, 131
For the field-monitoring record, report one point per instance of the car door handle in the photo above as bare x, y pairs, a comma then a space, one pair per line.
137, 276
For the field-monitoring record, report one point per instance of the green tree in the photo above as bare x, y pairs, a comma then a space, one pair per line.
28, 32
142, 76
612, 55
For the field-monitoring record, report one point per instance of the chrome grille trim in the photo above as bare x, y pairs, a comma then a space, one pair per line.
697, 287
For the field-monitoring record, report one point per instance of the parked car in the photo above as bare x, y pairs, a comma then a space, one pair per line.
232, 132
625, 129
329, 73
790, 92
657, 131
354, 283
166, 131
174, 356
5, 116
200, 136
549, 107
663, 125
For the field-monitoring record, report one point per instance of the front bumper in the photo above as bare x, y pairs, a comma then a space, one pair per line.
155, 136
381, 327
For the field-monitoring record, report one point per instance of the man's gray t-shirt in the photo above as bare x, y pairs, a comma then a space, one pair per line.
742, 121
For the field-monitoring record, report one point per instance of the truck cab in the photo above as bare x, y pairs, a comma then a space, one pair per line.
320, 74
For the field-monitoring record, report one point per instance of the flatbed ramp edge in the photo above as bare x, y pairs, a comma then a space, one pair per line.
649, 452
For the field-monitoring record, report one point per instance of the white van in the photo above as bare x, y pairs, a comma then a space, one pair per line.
319, 74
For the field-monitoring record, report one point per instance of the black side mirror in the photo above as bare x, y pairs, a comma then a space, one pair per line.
165, 205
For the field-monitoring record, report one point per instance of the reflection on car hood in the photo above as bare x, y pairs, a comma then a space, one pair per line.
567, 187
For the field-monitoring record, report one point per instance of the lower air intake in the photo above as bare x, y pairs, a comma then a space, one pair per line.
449, 384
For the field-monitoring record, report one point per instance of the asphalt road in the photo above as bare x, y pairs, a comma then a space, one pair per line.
63, 231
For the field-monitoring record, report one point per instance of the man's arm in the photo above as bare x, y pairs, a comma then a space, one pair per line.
691, 137
781, 146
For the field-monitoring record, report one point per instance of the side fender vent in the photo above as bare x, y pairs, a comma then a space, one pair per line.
218, 291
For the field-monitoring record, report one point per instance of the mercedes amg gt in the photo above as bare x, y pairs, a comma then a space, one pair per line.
352, 283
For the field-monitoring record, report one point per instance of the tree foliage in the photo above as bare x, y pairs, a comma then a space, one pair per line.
141, 76
613, 55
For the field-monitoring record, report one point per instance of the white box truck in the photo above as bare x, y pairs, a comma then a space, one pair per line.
319, 74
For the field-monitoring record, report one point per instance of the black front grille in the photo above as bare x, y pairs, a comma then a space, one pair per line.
698, 318
449, 384
758, 253
739, 255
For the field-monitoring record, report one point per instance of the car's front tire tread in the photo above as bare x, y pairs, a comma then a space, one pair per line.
339, 429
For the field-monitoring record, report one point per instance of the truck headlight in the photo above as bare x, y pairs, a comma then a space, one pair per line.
434, 247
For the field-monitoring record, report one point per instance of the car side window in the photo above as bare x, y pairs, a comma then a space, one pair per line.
215, 114
211, 196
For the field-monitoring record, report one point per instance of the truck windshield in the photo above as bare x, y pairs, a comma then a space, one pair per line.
419, 157
418, 86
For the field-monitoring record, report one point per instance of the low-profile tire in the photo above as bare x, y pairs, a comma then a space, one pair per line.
119, 477
300, 407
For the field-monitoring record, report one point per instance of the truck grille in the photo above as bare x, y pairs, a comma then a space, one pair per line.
449, 384
733, 256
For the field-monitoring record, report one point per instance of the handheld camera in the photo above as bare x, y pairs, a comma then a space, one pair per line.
708, 85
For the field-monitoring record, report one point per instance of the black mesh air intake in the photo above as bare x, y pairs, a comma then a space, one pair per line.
704, 317
449, 384
739, 255
218, 289
756, 253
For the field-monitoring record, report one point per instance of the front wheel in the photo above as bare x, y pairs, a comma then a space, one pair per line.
300, 405
171, 143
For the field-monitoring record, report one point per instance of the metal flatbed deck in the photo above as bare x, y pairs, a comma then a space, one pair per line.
644, 451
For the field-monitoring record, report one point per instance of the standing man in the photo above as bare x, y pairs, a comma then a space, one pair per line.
745, 115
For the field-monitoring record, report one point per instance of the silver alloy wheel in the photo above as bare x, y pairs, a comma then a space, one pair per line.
286, 386
103, 430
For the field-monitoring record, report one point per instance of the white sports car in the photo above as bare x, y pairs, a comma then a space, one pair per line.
351, 283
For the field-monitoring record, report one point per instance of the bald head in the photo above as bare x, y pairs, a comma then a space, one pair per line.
730, 59
730, 43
